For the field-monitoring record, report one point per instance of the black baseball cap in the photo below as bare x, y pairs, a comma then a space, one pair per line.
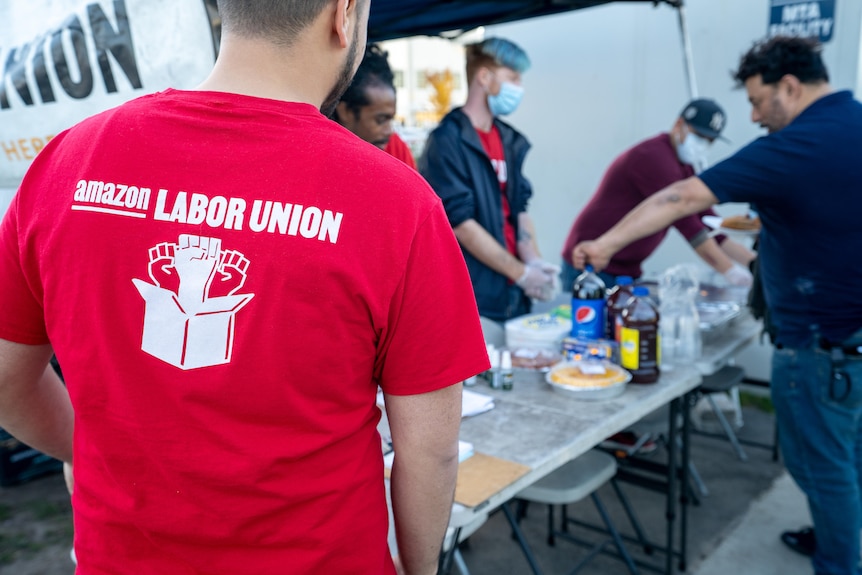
705, 117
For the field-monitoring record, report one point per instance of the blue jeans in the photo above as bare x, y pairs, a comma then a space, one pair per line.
820, 431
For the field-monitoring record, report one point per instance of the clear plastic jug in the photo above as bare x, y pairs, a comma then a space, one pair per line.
679, 326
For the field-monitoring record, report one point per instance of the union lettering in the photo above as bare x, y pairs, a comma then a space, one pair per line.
74, 70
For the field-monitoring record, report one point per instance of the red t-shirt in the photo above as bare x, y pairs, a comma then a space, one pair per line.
224, 294
494, 148
633, 176
397, 148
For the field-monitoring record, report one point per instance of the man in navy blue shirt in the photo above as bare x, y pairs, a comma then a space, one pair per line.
805, 181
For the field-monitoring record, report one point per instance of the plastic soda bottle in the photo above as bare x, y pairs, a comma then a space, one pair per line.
618, 297
588, 305
639, 337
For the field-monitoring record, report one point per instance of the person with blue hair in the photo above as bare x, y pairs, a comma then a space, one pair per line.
474, 162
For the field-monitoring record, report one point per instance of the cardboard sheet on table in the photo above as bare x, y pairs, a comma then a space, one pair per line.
481, 476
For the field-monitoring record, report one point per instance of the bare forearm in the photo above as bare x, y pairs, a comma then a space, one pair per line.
528, 248
425, 437
422, 495
711, 253
34, 404
482, 246
738, 252
658, 212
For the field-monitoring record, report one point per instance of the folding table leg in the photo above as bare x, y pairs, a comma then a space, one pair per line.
728, 431
522, 541
618, 541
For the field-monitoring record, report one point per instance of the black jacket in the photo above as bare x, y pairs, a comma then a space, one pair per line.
457, 167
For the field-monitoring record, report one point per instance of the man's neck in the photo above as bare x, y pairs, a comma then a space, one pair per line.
257, 68
476, 108
811, 93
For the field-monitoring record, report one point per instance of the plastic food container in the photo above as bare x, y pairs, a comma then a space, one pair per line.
588, 380
538, 331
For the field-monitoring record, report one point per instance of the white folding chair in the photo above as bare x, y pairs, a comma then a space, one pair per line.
571, 483
462, 523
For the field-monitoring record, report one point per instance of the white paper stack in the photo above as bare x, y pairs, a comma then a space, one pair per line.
465, 450
473, 403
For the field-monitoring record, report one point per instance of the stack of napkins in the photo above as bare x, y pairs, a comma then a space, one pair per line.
473, 403
465, 450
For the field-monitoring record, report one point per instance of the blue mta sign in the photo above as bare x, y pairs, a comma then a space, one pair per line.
811, 19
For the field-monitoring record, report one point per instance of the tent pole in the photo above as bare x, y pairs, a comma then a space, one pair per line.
688, 59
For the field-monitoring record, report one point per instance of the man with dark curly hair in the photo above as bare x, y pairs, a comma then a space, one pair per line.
804, 179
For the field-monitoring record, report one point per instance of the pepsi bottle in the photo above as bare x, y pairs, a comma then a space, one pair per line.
588, 306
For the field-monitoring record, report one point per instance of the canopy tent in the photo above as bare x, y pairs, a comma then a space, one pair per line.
391, 19
399, 18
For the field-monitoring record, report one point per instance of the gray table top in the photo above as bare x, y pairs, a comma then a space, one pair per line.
542, 429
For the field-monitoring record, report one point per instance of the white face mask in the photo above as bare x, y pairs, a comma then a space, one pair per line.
693, 151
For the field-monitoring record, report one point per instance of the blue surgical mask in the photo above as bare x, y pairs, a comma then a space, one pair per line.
506, 100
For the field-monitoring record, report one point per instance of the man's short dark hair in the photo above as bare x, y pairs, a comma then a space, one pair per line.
778, 56
373, 71
279, 21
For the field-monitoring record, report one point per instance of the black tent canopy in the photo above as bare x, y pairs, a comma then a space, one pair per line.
399, 18
390, 19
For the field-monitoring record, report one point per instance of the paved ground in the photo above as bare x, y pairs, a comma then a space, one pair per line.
36, 532
752, 546
733, 486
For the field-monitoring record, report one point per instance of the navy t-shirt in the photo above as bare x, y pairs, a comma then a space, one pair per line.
805, 181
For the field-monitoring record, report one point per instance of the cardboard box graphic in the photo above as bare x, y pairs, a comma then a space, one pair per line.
188, 339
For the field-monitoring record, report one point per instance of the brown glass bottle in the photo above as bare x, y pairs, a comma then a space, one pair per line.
618, 297
639, 337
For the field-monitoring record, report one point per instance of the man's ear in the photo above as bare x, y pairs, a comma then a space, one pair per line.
791, 84
345, 13
484, 76
676, 131
342, 113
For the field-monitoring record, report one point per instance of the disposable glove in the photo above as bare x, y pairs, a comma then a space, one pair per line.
552, 291
535, 281
541, 280
737, 275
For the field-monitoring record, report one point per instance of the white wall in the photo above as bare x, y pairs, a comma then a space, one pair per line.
5, 197
607, 77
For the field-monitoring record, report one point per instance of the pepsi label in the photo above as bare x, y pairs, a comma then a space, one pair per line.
588, 318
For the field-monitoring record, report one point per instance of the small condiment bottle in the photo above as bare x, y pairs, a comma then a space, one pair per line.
495, 380
507, 375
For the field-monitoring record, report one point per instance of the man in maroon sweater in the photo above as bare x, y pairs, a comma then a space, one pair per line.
641, 171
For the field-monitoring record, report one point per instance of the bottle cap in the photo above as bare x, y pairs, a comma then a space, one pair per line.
506, 361
495, 359
589, 268
640, 291
624, 280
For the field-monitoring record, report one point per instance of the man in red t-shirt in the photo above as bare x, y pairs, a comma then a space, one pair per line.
474, 162
367, 108
225, 302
